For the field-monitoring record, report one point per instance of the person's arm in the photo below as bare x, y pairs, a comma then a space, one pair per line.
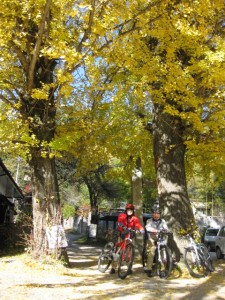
164, 225
148, 225
138, 225
150, 228
121, 222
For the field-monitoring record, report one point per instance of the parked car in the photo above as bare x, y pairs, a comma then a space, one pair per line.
220, 243
209, 238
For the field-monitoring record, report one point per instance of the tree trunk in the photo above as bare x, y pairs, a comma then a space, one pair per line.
137, 200
93, 194
169, 153
45, 195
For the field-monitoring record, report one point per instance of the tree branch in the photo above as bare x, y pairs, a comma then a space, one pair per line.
80, 45
5, 100
38, 45
88, 30
20, 55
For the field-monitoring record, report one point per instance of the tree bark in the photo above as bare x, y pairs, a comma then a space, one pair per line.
169, 154
45, 198
136, 185
93, 194
45, 193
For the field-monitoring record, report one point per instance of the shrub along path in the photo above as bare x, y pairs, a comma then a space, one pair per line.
22, 278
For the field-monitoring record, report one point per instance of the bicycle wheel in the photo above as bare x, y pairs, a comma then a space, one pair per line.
164, 267
144, 258
195, 263
207, 257
104, 261
126, 261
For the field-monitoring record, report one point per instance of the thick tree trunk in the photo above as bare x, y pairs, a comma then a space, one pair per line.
136, 185
46, 209
169, 153
45, 194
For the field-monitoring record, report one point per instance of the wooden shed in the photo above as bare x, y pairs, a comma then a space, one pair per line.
9, 192
107, 220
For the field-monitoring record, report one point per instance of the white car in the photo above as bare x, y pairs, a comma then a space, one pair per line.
209, 238
220, 243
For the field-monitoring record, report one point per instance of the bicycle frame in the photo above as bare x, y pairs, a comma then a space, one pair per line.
193, 245
122, 251
160, 242
197, 259
162, 262
122, 245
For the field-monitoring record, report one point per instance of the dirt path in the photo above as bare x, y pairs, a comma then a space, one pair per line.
22, 279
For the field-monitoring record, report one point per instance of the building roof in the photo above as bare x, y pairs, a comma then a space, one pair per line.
4, 201
8, 186
113, 215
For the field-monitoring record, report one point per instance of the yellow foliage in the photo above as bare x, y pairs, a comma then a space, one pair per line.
114, 62
39, 94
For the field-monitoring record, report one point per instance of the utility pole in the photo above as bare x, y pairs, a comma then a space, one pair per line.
17, 169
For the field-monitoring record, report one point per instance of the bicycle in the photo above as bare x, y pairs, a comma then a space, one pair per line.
197, 258
123, 252
162, 262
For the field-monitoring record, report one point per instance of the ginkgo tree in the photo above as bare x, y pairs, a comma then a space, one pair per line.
51, 81
154, 66
172, 54
43, 44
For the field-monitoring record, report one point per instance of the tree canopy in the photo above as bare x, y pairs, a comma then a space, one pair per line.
103, 79
111, 66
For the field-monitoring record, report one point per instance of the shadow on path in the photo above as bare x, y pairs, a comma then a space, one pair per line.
106, 286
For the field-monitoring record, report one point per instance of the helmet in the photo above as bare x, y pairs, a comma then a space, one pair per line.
156, 208
130, 206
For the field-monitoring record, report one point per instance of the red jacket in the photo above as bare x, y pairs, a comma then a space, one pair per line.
132, 222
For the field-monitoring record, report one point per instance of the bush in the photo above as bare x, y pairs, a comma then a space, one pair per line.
68, 211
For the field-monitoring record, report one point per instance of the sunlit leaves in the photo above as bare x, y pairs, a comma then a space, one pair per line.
114, 61
175, 51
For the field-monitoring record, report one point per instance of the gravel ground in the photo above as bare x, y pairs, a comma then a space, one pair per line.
20, 278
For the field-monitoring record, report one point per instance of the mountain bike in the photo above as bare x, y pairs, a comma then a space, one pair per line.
197, 258
122, 252
162, 262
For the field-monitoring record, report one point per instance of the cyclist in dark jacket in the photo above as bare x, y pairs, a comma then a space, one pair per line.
127, 220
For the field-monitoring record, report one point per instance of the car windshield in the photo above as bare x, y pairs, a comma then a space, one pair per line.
211, 232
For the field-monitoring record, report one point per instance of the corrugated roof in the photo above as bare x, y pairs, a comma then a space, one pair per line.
8, 186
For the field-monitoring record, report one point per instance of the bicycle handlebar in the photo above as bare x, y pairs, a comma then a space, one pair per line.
130, 229
188, 235
167, 232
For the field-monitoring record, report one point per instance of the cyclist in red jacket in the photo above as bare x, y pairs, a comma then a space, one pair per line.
127, 220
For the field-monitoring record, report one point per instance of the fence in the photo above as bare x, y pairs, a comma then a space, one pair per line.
107, 221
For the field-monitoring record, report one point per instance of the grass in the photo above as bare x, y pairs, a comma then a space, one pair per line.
8, 252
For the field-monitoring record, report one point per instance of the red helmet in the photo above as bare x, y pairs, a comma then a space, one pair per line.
130, 206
